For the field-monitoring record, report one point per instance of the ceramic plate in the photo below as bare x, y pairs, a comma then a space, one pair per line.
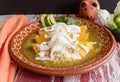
107, 40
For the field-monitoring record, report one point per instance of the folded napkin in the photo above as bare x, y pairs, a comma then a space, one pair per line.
7, 66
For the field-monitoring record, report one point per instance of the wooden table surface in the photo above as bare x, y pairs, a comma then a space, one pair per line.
108, 72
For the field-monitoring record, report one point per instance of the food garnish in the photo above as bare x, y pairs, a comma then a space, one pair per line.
47, 20
42, 20
68, 21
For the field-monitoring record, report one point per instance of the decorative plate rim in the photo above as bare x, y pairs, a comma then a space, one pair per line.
33, 27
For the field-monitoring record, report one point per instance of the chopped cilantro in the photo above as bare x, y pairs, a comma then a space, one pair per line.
68, 21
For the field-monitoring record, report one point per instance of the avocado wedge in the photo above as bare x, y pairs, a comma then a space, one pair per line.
48, 20
42, 20
52, 20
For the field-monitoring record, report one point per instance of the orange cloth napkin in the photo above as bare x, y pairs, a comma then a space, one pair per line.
7, 66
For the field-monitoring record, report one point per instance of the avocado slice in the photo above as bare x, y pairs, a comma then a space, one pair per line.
42, 20
48, 20
52, 20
